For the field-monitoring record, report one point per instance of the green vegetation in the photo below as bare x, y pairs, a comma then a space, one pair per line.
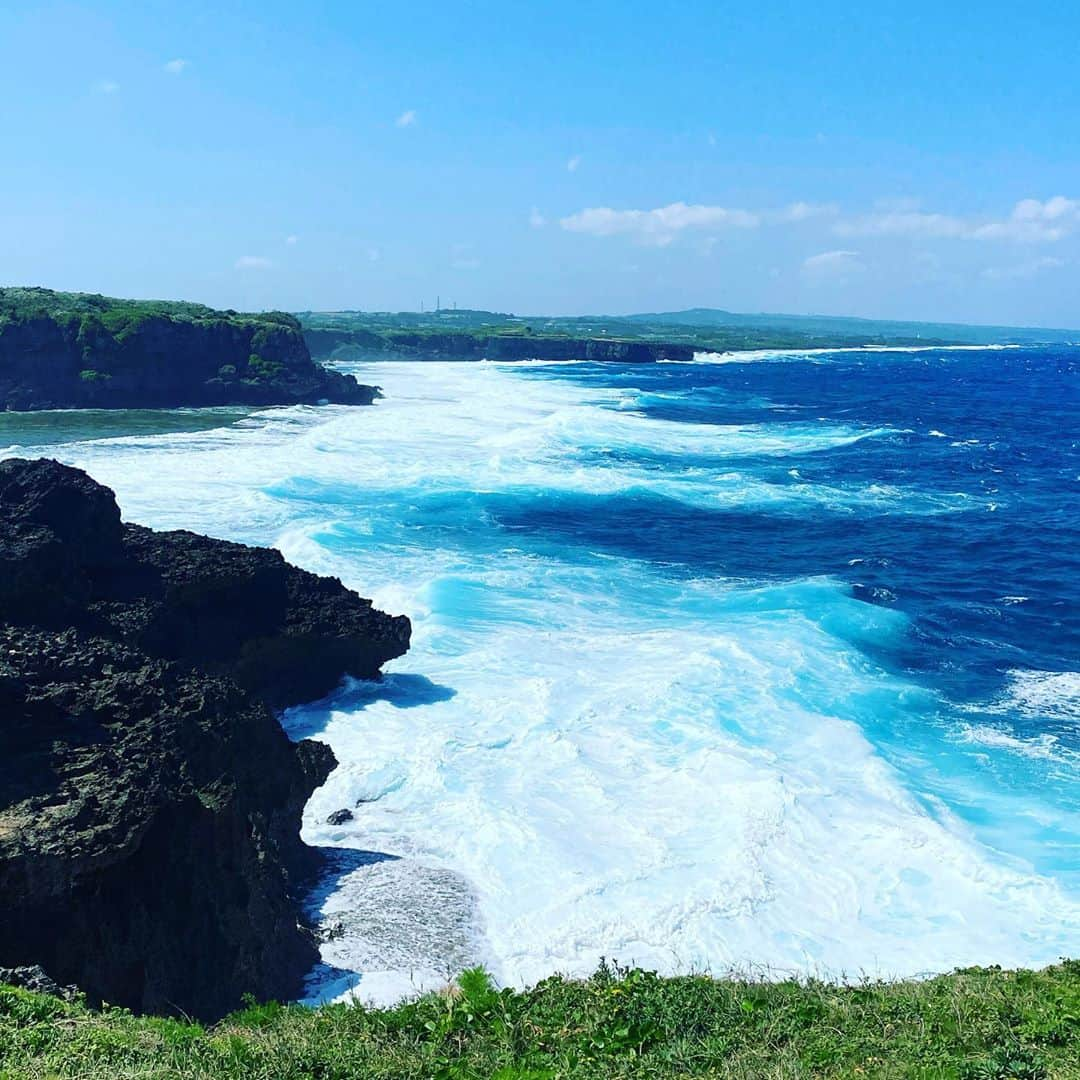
104, 337
261, 368
93, 316
704, 329
351, 334
853, 330
77, 350
977, 1024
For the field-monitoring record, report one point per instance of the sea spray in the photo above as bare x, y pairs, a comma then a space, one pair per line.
704, 662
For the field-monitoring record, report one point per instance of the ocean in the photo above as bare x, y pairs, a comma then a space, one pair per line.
768, 662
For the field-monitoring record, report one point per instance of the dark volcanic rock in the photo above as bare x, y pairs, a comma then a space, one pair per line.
340, 817
149, 800
35, 978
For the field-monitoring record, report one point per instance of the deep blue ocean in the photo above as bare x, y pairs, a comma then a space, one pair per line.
976, 536
768, 662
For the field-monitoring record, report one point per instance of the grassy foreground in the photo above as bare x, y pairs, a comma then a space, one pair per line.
976, 1024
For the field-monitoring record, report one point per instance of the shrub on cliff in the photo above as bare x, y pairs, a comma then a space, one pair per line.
977, 1024
79, 350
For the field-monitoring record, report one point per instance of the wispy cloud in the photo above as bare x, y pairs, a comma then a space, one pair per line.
536, 219
574, 163
106, 86
1031, 221
177, 66
903, 223
659, 226
1019, 271
407, 119
292, 241
253, 262
832, 264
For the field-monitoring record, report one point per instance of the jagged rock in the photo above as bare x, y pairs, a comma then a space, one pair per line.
149, 800
35, 978
339, 817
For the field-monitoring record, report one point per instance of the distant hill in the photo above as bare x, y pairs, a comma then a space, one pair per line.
474, 334
850, 326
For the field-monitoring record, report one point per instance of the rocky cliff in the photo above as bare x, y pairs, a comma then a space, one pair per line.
75, 350
149, 800
405, 345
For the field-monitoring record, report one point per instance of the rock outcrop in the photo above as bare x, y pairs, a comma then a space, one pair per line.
75, 350
150, 801
406, 345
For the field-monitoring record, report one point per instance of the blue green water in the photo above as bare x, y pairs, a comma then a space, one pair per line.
772, 662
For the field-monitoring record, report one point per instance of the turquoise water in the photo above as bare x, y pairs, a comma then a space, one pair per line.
770, 663
25, 432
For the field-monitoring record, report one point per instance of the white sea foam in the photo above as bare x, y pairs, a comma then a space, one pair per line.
1044, 746
582, 755
1051, 695
744, 356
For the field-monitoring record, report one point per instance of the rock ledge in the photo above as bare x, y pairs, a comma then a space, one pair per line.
150, 802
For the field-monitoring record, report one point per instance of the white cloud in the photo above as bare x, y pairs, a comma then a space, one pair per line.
253, 262
1034, 222
106, 86
466, 264
573, 163
904, 223
536, 219
292, 240
1054, 209
1022, 270
407, 119
1031, 221
659, 226
832, 264
177, 66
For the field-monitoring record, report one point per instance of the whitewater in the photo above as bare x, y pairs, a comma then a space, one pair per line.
698, 679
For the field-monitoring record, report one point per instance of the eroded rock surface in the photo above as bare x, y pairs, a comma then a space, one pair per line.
149, 800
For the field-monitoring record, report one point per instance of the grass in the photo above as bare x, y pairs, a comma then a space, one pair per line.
976, 1024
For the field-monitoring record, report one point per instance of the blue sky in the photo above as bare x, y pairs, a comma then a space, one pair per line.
916, 160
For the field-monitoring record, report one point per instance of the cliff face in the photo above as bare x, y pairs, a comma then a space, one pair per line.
66, 350
402, 345
149, 800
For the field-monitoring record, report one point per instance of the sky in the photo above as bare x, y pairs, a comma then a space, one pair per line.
892, 160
